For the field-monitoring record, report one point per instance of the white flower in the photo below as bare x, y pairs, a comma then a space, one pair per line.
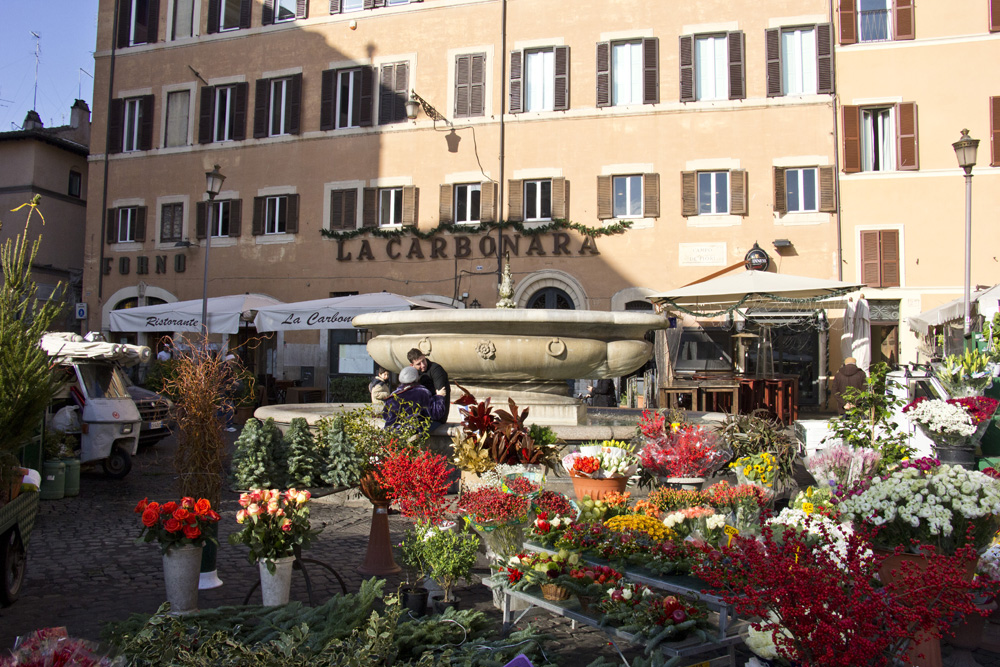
627, 593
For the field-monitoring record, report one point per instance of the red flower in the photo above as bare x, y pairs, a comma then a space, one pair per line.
212, 515
172, 525
141, 507
587, 465
192, 532
181, 514
150, 517
202, 506
187, 502
168, 508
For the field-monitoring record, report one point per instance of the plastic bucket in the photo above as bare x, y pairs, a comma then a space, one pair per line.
53, 480
72, 477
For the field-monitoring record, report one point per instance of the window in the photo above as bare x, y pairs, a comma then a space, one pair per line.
386, 207
628, 72
714, 193
183, 19
880, 138
138, 22
346, 6
632, 196
397, 2
278, 11
390, 207
393, 91
276, 214
880, 258
703, 350
875, 20
712, 67
801, 190
131, 124
346, 98
222, 217
799, 60
539, 80
995, 131
276, 106
537, 199
223, 113
126, 224
226, 15
470, 85
628, 196
470, 203
178, 110
467, 203
805, 189
133, 121
75, 183
551, 298
343, 209
171, 222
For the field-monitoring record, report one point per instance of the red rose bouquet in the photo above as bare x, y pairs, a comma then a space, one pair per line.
176, 524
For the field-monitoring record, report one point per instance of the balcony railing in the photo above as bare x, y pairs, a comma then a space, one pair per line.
874, 25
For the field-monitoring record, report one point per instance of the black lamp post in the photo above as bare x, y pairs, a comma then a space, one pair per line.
965, 151
213, 184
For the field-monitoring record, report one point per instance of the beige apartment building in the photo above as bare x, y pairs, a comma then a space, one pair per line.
612, 153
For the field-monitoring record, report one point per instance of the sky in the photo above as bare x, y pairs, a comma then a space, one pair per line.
68, 32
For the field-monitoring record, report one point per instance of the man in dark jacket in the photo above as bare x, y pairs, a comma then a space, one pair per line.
849, 375
432, 375
411, 398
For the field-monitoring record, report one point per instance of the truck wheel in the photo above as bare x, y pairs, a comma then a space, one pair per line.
118, 463
12, 566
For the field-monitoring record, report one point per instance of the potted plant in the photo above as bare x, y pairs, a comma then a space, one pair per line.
679, 454
450, 555
600, 468
498, 517
411, 551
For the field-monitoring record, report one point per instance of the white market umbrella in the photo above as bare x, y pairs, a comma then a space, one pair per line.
861, 343
224, 314
847, 337
333, 313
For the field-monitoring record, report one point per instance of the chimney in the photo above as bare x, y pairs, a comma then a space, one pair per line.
32, 121
79, 120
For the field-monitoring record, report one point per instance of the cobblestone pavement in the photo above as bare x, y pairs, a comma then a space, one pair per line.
85, 567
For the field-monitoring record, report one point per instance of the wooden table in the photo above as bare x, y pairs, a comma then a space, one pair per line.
711, 393
670, 396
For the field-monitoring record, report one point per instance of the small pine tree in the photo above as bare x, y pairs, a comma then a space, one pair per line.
305, 465
254, 464
342, 464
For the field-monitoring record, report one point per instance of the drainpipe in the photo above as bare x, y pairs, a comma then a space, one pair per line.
836, 154
107, 149
503, 103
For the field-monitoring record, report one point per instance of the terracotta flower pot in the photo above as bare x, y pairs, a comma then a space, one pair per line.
597, 488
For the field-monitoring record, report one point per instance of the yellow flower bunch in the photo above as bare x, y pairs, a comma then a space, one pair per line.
759, 468
646, 524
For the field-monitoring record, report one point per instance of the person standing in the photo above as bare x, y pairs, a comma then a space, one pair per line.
432, 375
412, 398
164, 354
379, 387
849, 375
602, 393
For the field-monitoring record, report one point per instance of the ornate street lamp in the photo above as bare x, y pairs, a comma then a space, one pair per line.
213, 184
965, 151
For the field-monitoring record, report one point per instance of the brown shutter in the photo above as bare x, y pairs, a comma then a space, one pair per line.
301, 9
235, 217
828, 189
366, 100
772, 54
605, 197
560, 96
852, 139
240, 111
369, 213
515, 200
488, 201
995, 130
737, 77
411, 204
401, 91
334, 6
651, 195
292, 221
328, 99
560, 199
267, 13
244, 15
903, 19
463, 64
651, 70
206, 115
124, 23
116, 125
906, 131
847, 17
153, 29
780, 195
516, 104
687, 68
825, 83
603, 75
111, 227
739, 196
994, 15
870, 264
214, 9
294, 110
387, 81
477, 85
201, 219
337, 217
446, 204
261, 108
259, 210
689, 193
146, 122
140, 223
888, 241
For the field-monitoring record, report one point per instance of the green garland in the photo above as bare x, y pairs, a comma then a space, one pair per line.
668, 304
481, 228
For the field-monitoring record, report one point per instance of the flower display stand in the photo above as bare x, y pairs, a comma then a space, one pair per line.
378, 559
181, 571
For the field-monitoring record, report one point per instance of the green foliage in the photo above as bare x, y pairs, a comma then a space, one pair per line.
259, 460
161, 376
481, 228
342, 465
991, 332
411, 552
305, 463
450, 556
965, 374
543, 436
364, 429
756, 433
349, 389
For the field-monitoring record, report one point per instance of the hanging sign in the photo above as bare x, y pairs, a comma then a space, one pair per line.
756, 259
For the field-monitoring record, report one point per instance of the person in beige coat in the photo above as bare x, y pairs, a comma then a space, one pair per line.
379, 388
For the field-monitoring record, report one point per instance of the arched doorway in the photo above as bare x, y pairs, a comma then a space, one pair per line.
551, 298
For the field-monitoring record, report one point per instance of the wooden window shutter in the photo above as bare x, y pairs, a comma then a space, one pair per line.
153, 29
772, 54
292, 221
206, 115
603, 75
488, 201
739, 197
111, 227
301, 9
401, 92
650, 195
235, 217
870, 263
903, 19
847, 17
214, 10
560, 199
651, 70
116, 125
906, 131
267, 13
446, 204
201, 219
463, 75
337, 217
852, 139
124, 23
560, 95
477, 85
240, 111
245, 14
689, 193
368, 4
366, 99
295, 104
334, 6
737, 76
825, 82
259, 208
995, 130
994, 15
828, 189
140, 223
327, 99
687, 68
261, 107
516, 104
411, 204
605, 207
146, 125
369, 213
888, 241
387, 82
515, 200
780, 196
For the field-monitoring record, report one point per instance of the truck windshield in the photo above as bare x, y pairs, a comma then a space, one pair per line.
102, 381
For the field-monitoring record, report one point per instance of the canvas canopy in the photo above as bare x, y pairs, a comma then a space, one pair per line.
224, 314
985, 300
66, 347
332, 313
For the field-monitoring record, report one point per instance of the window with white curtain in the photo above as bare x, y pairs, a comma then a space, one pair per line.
798, 61
178, 110
539, 80
711, 67
183, 19
878, 139
626, 73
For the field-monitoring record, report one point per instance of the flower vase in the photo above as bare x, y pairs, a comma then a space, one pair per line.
959, 450
684, 483
597, 488
181, 567
275, 586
